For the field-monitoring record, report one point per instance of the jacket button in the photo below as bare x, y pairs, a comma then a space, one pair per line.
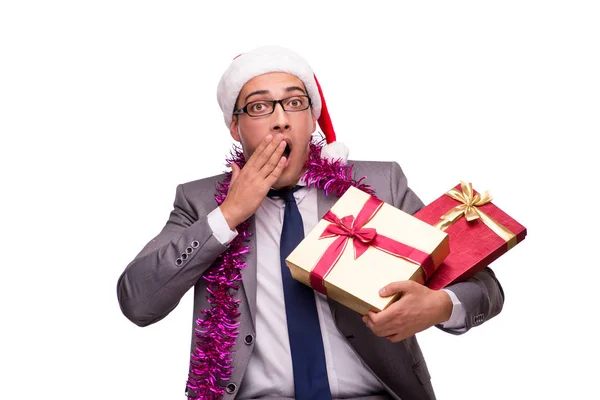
189, 250
195, 243
231, 388
184, 256
178, 262
249, 339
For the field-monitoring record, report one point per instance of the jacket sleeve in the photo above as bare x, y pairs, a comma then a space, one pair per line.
481, 296
169, 265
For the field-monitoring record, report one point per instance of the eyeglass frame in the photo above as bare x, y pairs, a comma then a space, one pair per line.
244, 110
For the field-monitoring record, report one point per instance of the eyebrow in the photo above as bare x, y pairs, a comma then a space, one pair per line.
287, 89
294, 88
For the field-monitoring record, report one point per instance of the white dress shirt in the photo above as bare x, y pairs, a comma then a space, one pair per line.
270, 366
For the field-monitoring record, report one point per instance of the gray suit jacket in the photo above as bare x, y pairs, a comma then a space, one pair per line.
153, 284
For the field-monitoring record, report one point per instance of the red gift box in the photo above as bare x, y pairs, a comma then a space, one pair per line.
479, 233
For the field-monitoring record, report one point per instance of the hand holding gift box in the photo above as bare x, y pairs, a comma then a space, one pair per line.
479, 232
361, 245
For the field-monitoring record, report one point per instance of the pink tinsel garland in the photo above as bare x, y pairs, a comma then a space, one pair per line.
216, 333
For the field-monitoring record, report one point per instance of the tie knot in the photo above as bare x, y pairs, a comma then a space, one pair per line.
285, 194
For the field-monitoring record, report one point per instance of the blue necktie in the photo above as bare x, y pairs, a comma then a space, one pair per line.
306, 343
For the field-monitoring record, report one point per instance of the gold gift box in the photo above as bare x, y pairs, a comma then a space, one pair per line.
355, 283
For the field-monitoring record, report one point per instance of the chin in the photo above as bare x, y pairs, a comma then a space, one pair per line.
283, 182
288, 179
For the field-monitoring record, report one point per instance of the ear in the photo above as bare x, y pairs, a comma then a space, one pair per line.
233, 129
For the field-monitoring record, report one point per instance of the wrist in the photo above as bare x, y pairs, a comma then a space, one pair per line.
445, 306
230, 217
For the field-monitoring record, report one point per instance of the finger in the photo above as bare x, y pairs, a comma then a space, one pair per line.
387, 332
396, 287
373, 316
380, 322
259, 149
375, 319
369, 322
262, 157
235, 172
273, 161
388, 316
379, 329
395, 338
275, 173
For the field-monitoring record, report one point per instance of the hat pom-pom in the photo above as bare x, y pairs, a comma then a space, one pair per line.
335, 151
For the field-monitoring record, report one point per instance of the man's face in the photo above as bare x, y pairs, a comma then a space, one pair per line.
296, 127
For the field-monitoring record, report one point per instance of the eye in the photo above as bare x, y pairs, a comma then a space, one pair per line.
259, 107
296, 102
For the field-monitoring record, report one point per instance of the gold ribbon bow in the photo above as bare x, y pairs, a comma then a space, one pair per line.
468, 208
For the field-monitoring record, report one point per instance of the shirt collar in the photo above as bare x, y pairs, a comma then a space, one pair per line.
299, 194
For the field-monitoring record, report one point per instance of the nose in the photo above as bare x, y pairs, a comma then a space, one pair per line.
280, 121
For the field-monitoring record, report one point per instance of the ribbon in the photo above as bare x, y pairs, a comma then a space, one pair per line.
468, 208
348, 228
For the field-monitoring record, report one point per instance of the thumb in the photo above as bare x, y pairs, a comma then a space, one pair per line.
396, 287
235, 171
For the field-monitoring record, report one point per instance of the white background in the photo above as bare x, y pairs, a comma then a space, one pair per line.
106, 106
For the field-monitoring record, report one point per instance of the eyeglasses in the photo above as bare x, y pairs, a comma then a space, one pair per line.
260, 108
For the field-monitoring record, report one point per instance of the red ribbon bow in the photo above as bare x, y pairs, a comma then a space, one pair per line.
345, 227
363, 238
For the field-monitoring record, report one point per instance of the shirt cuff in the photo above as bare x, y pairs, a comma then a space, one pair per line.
220, 228
457, 318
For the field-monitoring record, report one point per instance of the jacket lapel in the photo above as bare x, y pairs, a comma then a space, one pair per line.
324, 203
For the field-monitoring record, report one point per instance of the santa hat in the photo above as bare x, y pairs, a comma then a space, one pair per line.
278, 59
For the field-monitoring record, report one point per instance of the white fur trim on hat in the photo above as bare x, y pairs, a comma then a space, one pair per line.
262, 61
335, 151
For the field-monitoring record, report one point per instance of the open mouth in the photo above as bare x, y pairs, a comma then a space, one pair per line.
288, 148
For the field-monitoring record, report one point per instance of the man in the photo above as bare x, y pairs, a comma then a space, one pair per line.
287, 341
